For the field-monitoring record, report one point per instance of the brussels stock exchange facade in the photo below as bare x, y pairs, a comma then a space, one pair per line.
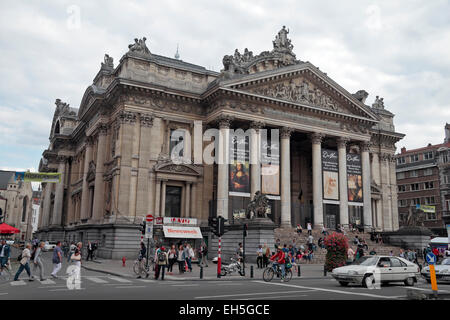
156, 135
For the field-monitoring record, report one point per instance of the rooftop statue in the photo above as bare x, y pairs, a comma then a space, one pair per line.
108, 62
139, 47
379, 103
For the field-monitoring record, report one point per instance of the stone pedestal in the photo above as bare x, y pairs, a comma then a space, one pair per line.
409, 237
260, 232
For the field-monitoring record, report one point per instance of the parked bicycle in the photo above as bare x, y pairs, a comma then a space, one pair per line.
269, 272
145, 269
234, 266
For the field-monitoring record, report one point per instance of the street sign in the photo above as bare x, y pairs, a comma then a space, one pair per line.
149, 218
149, 227
431, 258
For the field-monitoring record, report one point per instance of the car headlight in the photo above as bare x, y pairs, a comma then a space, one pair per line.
353, 272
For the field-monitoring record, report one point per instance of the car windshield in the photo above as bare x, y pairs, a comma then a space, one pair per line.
366, 261
445, 262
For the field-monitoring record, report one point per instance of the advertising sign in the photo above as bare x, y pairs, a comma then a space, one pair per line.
45, 177
427, 209
354, 178
330, 170
182, 232
270, 167
180, 221
239, 173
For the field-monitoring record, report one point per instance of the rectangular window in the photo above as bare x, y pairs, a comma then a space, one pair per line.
413, 174
414, 187
445, 158
401, 160
416, 201
428, 155
447, 179
428, 185
400, 175
429, 200
176, 143
402, 203
431, 216
414, 158
402, 188
428, 172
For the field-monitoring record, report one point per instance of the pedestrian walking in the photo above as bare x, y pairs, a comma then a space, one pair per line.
5, 253
259, 257
163, 261
309, 228
37, 260
181, 259
189, 256
204, 251
141, 259
75, 271
172, 256
310, 242
57, 260
350, 255
24, 259
90, 250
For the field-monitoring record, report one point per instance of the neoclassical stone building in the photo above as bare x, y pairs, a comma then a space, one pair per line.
336, 154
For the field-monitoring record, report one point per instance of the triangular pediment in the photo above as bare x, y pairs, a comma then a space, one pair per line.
177, 168
301, 84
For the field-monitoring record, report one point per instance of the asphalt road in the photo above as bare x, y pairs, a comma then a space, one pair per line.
95, 285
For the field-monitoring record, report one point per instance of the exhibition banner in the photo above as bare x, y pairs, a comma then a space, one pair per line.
330, 171
47, 177
354, 178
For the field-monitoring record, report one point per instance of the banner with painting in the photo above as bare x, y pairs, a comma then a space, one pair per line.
354, 178
330, 171
270, 163
239, 170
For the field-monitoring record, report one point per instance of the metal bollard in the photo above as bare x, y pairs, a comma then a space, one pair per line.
201, 272
324, 271
299, 272
251, 271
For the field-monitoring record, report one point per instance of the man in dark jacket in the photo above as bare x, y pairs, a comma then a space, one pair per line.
5, 252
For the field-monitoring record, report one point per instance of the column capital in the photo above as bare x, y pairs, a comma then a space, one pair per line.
102, 129
61, 159
146, 119
286, 132
89, 141
224, 121
316, 138
342, 142
127, 117
257, 125
365, 146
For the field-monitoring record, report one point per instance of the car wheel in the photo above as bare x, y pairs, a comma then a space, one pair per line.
368, 281
343, 283
409, 282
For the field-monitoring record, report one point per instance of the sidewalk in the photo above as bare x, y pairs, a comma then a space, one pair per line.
114, 267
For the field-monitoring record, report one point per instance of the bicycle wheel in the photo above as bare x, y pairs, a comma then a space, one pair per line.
288, 275
136, 267
268, 274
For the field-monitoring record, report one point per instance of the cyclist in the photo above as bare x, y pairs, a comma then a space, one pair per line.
5, 253
279, 260
141, 258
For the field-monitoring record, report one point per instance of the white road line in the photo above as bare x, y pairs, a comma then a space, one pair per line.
47, 281
18, 283
67, 289
126, 287
271, 298
97, 280
329, 290
3, 293
184, 285
120, 279
230, 284
253, 294
146, 281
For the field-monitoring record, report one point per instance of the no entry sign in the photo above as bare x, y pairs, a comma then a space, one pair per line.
149, 218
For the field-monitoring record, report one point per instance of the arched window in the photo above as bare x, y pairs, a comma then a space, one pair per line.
24, 209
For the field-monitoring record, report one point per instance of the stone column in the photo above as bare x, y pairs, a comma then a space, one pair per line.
223, 162
187, 199
394, 190
365, 163
316, 139
84, 214
99, 186
255, 154
46, 208
343, 195
285, 177
158, 198
193, 208
59, 193
163, 198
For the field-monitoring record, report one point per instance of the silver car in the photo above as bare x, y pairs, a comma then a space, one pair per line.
442, 271
371, 270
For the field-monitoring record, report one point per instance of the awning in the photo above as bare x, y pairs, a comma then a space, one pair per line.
7, 229
182, 232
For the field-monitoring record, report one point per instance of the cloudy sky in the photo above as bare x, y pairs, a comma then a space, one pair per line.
399, 50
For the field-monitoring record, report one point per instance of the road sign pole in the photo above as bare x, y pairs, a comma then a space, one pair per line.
219, 258
433, 281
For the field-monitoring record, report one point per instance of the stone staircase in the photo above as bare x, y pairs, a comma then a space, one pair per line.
288, 235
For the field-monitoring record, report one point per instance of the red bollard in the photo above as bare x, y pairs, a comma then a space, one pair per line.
123, 261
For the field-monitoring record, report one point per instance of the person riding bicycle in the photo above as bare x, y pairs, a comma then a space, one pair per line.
279, 260
5, 252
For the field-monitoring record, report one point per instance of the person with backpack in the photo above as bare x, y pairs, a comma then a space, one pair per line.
24, 258
72, 249
163, 261
37, 260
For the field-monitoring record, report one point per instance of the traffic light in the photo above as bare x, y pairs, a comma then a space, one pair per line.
213, 223
245, 229
143, 225
221, 226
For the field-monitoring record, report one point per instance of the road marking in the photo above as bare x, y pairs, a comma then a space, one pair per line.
329, 290
97, 280
272, 298
126, 287
47, 281
120, 279
3, 293
184, 285
67, 289
146, 281
253, 294
230, 284
18, 283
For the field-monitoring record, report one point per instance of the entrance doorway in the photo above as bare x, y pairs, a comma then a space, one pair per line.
173, 201
331, 215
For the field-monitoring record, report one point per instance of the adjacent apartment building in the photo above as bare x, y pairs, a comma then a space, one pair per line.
423, 178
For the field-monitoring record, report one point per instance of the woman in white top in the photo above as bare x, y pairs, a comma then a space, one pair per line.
26, 255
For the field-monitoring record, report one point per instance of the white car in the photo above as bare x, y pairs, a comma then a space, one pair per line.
369, 270
442, 271
49, 246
